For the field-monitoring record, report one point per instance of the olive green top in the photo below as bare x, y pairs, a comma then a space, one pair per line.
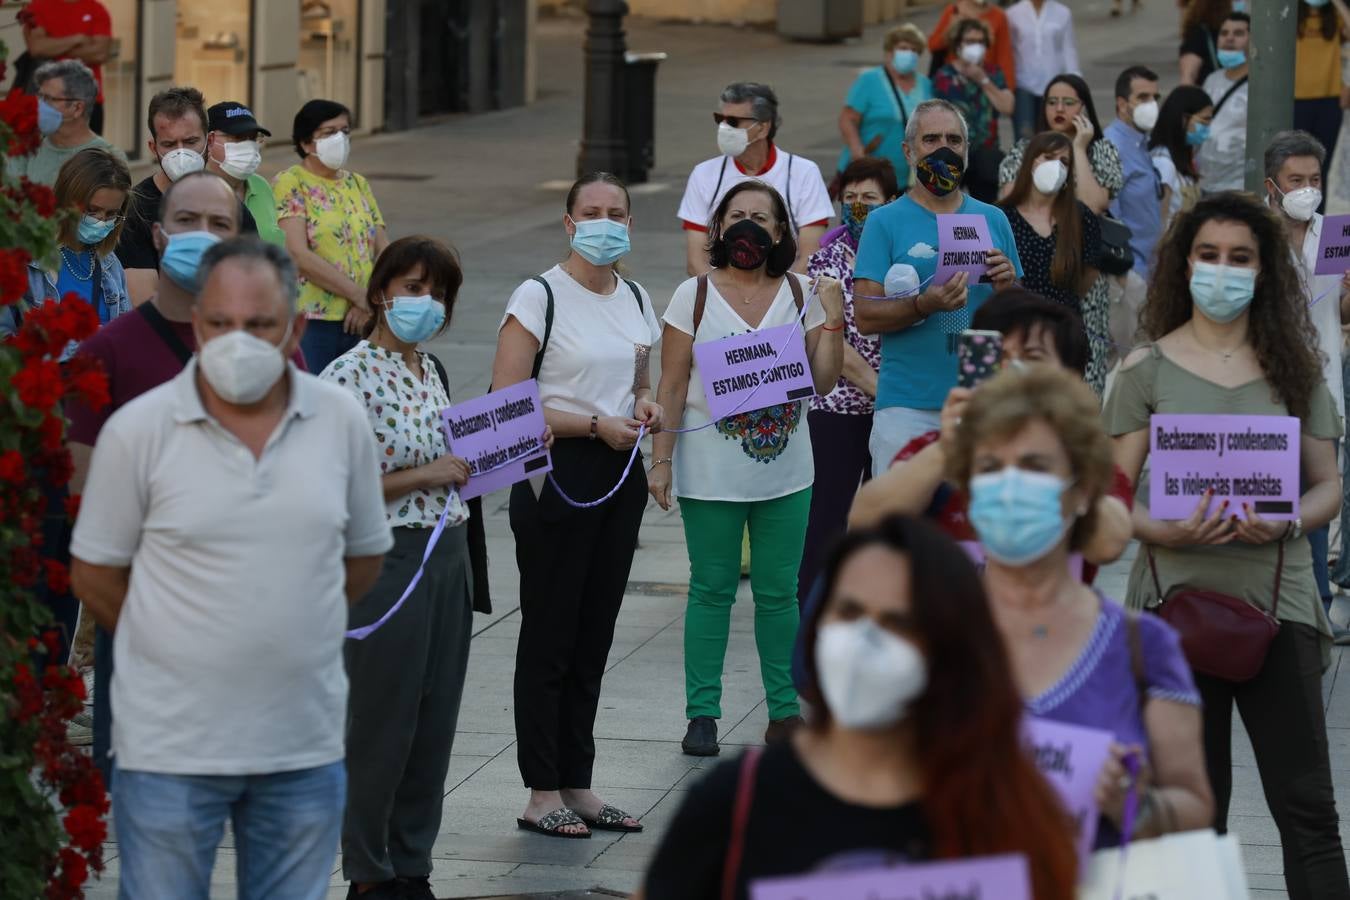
1155, 384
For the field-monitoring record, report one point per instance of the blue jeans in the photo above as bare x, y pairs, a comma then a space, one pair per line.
324, 342
286, 828
1026, 113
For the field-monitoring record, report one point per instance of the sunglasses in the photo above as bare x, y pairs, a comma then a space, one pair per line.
735, 121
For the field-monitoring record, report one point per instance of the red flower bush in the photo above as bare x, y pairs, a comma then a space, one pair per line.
13, 275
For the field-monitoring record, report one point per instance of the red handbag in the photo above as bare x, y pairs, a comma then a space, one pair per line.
1222, 636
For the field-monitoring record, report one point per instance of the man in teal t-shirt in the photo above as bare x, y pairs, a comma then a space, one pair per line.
899, 248
234, 151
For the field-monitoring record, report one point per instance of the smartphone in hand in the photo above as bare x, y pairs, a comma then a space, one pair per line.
978, 356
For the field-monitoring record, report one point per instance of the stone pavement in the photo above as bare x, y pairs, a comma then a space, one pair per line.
494, 186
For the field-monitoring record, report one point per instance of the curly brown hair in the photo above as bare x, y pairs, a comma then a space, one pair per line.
1280, 329
1003, 406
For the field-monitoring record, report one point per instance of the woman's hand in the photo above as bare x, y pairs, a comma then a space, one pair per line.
618, 432
446, 470
1114, 782
1256, 530
547, 437
1203, 527
658, 484
1083, 131
952, 410
831, 293
356, 319
650, 414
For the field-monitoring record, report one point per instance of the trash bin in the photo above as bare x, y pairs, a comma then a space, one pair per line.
639, 114
820, 20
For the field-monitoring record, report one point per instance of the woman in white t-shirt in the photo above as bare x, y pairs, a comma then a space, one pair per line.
749, 468
586, 334
1182, 128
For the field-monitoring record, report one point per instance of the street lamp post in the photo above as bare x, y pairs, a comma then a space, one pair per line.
1270, 84
603, 144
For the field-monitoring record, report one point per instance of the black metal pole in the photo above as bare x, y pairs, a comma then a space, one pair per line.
603, 145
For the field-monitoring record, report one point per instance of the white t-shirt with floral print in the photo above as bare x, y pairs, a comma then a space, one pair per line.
406, 416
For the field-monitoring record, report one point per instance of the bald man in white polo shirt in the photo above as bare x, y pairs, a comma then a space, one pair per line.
230, 516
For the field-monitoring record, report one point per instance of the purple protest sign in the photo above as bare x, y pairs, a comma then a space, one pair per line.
495, 433
963, 241
1246, 459
755, 370
981, 878
1071, 757
1333, 254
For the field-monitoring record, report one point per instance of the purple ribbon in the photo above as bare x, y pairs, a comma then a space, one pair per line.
642, 429
365, 631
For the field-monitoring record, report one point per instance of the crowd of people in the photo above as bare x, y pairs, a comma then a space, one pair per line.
922, 549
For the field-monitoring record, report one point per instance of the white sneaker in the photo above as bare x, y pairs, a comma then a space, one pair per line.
88, 677
80, 730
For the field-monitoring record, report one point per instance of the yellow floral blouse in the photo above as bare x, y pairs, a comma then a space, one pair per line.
341, 220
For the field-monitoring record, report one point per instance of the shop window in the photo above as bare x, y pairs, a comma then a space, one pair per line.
212, 53
123, 112
329, 50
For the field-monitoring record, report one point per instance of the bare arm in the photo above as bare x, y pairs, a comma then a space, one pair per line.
808, 242
1189, 67
362, 573
677, 360
41, 44
102, 589
1090, 191
696, 253
317, 269
93, 50
859, 371
1321, 501
906, 488
880, 316
1112, 533
381, 239
142, 284
849, 122
1182, 799
80, 454
1002, 98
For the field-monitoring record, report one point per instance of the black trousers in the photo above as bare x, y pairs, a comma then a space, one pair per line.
1282, 710
574, 566
839, 445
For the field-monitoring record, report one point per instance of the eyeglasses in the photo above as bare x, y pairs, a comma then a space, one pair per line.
104, 216
1064, 102
48, 98
735, 121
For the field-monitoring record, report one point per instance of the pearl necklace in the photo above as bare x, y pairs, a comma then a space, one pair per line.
70, 259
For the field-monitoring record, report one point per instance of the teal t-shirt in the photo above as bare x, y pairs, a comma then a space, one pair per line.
918, 364
872, 97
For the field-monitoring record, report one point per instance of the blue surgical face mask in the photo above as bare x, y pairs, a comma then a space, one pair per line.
1316, 3
182, 257
1231, 59
92, 231
414, 319
1018, 514
1239, 6
904, 61
49, 117
600, 241
1222, 293
1198, 134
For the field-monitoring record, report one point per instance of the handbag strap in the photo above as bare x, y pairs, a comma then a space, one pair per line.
740, 817
155, 319
700, 300
1279, 574
548, 325
1136, 655
1230, 92
904, 116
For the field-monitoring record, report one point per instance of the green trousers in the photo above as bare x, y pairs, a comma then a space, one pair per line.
712, 531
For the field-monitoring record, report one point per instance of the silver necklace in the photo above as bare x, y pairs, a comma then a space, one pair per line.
71, 259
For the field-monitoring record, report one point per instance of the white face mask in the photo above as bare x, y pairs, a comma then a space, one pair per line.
732, 141
1049, 176
973, 53
242, 368
242, 159
180, 162
1146, 115
868, 676
333, 150
1300, 204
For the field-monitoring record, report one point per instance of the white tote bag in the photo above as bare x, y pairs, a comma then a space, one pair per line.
1184, 866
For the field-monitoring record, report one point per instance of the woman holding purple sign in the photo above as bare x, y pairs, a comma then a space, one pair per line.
585, 333
408, 675
1231, 334
750, 466
1031, 455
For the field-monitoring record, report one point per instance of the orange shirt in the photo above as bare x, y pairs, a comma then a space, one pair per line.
1002, 50
1317, 61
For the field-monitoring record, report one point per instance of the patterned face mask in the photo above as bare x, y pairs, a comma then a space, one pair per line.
853, 215
941, 171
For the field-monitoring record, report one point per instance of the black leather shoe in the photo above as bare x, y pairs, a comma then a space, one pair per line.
385, 890
701, 738
416, 889
780, 730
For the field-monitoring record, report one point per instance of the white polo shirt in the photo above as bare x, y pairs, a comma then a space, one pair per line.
229, 644
795, 177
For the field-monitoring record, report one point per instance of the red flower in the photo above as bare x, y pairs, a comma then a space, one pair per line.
39, 384
85, 827
12, 468
20, 112
27, 692
86, 379
58, 578
13, 275
24, 564
52, 433
72, 504
41, 196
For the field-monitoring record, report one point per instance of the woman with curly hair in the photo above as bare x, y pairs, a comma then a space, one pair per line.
1231, 333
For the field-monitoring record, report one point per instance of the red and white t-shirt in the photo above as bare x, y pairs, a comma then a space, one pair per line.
63, 18
797, 178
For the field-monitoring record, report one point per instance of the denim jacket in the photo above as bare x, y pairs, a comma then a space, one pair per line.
42, 287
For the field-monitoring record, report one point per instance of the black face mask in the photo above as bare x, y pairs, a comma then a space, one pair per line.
747, 244
941, 171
